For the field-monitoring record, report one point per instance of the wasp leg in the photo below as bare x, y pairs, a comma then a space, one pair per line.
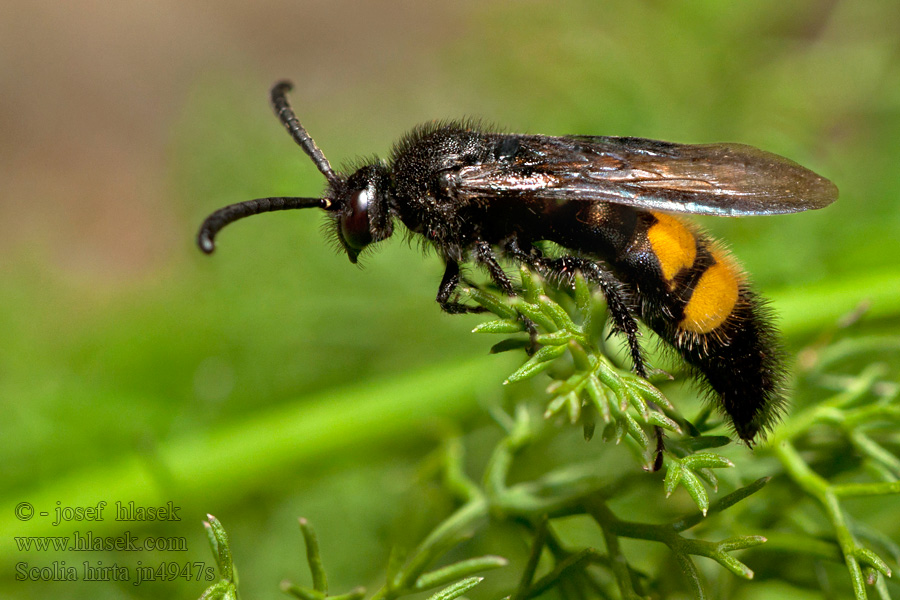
448, 286
563, 269
485, 255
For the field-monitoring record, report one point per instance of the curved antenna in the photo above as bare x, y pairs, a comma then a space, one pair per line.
287, 117
231, 213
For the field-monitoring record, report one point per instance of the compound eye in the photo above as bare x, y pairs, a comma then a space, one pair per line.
355, 224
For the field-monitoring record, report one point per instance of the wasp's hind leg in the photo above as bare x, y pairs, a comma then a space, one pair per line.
564, 269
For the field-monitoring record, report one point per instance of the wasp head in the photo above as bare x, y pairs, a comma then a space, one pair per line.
358, 205
359, 208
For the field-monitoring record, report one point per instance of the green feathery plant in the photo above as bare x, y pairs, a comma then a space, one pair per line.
802, 514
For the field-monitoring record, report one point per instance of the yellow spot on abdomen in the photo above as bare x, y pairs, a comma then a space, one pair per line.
713, 298
673, 244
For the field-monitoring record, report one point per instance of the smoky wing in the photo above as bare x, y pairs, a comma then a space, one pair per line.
715, 179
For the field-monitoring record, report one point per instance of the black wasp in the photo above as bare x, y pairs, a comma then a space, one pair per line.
478, 195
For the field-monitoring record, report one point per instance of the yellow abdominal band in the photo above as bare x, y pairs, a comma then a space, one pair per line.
715, 294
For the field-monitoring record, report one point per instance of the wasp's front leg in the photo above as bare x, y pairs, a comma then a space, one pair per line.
449, 283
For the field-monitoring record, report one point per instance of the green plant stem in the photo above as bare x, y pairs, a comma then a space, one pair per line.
313, 558
881, 488
537, 547
613, 528
819, 488
803, 544
823, 411
455, 479
619, 563
560, 574
448, 533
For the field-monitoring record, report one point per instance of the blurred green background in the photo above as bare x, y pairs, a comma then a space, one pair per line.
275, 379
